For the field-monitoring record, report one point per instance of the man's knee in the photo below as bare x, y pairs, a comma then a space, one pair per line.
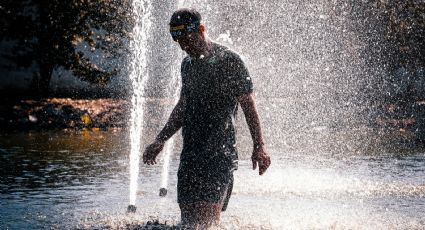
200, 213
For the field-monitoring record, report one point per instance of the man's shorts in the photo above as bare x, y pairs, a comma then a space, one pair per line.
199, 181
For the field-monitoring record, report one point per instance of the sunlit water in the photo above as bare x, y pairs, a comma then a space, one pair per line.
138, 76
80, 180
173, 90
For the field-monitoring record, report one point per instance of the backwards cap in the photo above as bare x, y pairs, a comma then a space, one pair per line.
185, 16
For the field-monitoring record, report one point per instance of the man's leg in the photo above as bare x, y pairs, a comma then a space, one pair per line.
200, 215
201, 194
228, 193
203, 215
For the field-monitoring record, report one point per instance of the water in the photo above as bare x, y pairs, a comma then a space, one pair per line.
138, 76
80, 180
168, 150
172, 93
173, 90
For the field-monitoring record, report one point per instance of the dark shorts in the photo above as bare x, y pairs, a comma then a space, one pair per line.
204, 182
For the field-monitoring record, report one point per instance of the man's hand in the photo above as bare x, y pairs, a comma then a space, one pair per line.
151, 152
260, 157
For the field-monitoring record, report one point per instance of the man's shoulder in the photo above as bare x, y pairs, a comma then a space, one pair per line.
185, 63
225, 52
186, 59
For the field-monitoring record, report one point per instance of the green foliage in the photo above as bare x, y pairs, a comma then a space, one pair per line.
49, 33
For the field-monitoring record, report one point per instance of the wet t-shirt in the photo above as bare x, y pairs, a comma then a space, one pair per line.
211, 86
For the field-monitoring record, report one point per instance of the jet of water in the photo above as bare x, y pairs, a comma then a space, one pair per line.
139, 75
173, 93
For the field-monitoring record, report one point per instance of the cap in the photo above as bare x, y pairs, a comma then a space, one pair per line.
185, 16
184, 21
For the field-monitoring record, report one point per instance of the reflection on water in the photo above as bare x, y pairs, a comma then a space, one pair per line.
46, 176
80, 180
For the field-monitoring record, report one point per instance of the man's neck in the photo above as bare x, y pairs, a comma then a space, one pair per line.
207, 48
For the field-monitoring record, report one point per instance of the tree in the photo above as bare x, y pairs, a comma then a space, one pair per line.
50, 33
405, 31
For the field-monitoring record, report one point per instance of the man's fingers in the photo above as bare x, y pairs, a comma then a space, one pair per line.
150, 162
254, 163
146, 157
145, 160
150, 154
264, 165
260, 167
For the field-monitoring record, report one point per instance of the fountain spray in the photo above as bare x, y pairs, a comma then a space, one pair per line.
139, 75
165, 167
173, 92
170, 144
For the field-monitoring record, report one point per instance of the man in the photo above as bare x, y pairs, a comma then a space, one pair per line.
214, 81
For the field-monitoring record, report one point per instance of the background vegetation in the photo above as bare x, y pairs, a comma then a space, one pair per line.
51, 34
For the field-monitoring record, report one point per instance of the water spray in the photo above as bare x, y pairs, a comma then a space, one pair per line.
139, 75
165, 167
173, 90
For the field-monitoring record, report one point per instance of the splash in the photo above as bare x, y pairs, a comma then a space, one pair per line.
169, 147
142, 9
165, 167
173, 89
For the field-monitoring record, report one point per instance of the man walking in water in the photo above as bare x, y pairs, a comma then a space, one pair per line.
214, 81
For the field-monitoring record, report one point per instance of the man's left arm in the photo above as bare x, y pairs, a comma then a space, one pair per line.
259, 155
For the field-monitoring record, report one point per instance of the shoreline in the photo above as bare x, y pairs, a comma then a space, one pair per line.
63, 113
56, 113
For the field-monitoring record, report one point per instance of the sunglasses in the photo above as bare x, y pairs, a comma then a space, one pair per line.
182, 30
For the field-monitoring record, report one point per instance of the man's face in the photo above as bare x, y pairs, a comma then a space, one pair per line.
191, 42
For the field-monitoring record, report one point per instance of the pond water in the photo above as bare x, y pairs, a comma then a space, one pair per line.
80, 180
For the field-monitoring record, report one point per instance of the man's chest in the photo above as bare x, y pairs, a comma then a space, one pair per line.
207, 79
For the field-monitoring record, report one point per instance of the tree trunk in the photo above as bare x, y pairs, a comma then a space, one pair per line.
45, 49
46, 70
41, 80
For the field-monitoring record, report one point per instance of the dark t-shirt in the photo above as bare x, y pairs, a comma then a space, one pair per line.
211, 86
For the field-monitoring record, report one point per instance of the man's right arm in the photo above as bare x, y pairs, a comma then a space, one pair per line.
174, 123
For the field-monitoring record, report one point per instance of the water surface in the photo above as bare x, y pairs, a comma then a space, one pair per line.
80, 179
